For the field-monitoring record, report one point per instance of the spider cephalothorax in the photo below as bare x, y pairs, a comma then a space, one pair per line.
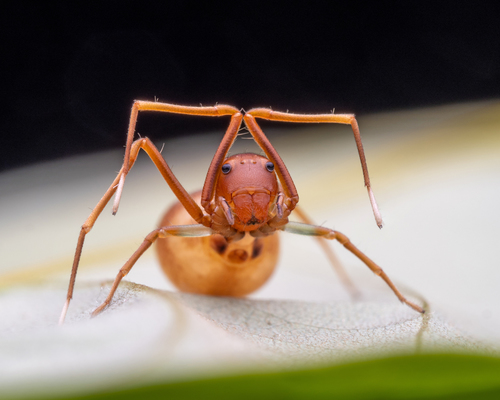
248, 189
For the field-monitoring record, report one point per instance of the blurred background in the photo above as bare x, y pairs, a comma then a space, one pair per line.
71, 70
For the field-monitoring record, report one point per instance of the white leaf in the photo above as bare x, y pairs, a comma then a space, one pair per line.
435, 175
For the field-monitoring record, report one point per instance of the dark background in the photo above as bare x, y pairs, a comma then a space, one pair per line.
71, 70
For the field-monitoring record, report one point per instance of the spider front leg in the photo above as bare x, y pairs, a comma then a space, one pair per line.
183, 230
139, 105
312, 230
350, 119
189, 204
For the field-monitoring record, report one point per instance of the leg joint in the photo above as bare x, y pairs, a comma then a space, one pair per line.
343, 239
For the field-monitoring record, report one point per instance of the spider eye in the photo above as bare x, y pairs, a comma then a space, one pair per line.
226, 168
270, 166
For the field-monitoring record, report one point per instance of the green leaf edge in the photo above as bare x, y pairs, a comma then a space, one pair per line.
422, 376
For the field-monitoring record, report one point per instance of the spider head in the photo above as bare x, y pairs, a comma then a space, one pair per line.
248, 184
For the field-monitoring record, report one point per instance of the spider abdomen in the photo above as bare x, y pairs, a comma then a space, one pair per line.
211, 265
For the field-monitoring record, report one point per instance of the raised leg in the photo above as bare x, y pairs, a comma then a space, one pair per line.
312, 230
266, 113
186, 200
139, 105
184, 230
330, 254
